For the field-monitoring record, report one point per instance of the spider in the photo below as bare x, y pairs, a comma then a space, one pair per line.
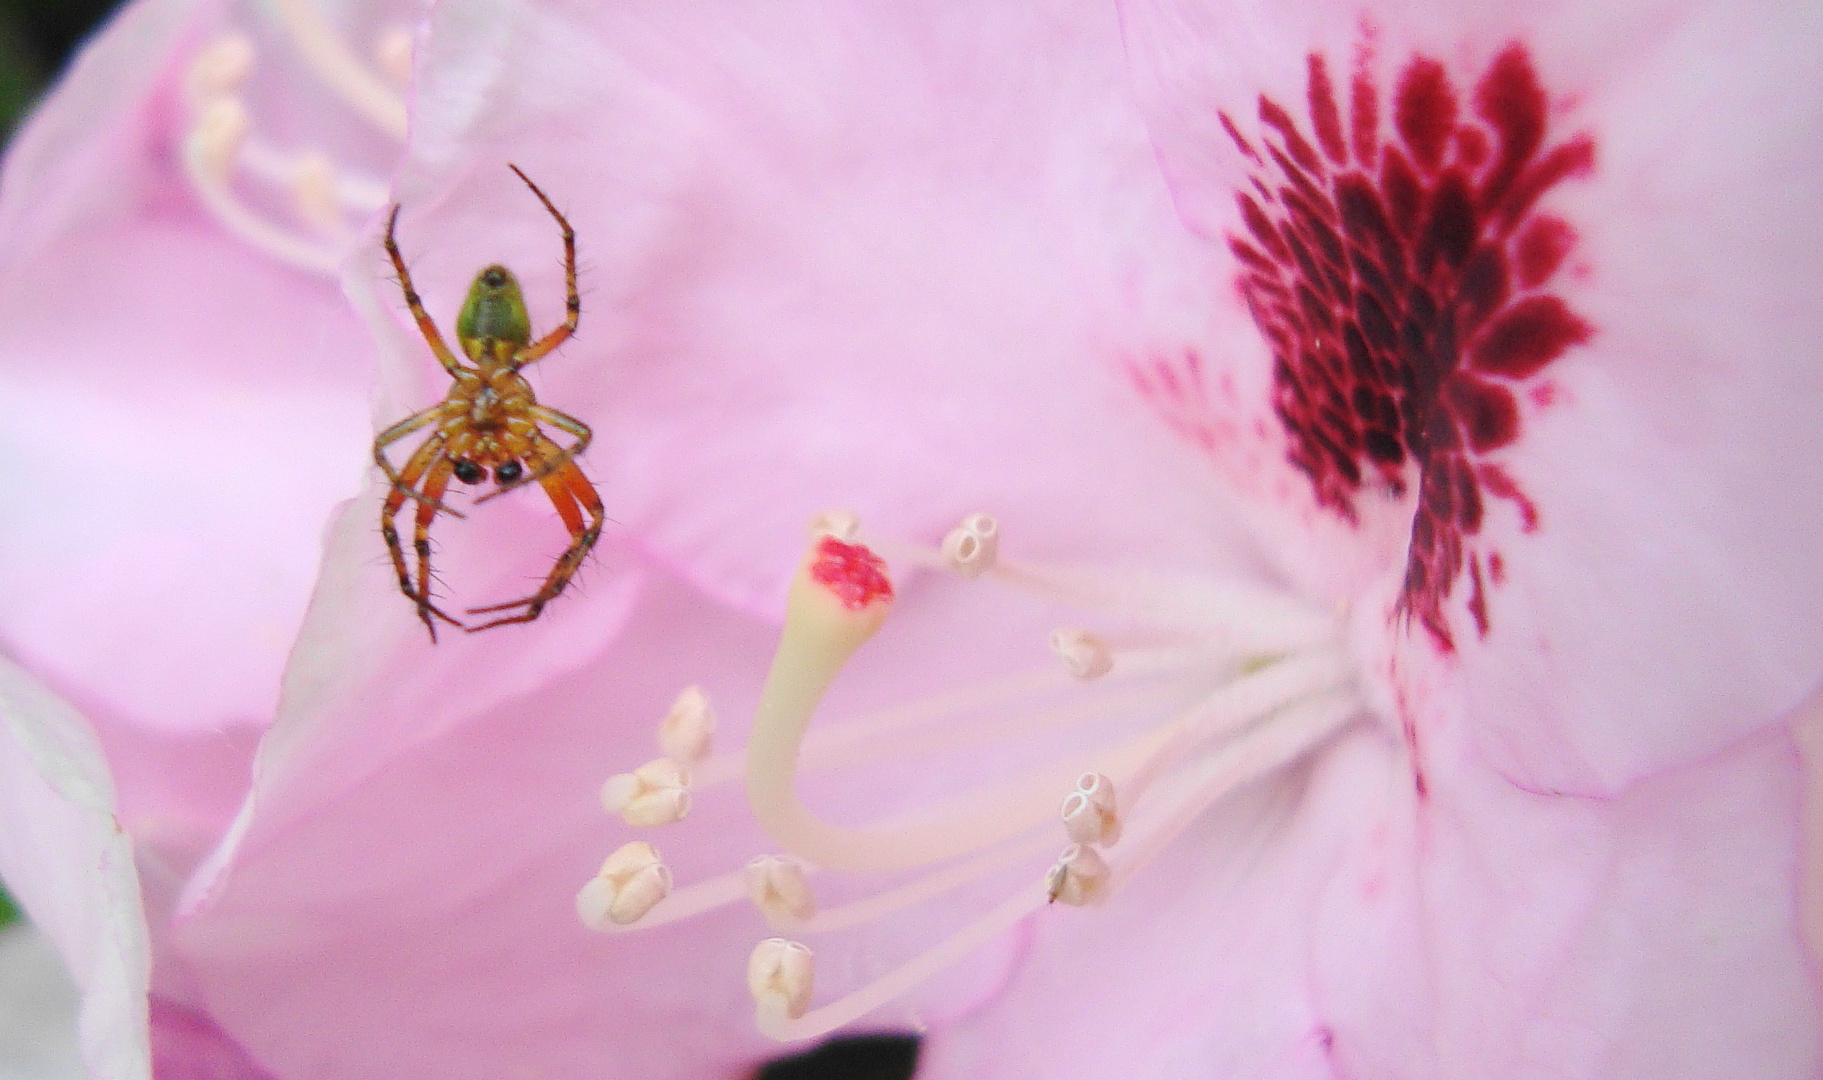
490, 420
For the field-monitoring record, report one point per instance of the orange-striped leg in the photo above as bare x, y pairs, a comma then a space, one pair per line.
426, 326
553, 462
435, 481
541, 348
399, 431
572, 495
415, 468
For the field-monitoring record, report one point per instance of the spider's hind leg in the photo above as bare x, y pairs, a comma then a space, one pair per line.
572, 495
428, 458
399, 478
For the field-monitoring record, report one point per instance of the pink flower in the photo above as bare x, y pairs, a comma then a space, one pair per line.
1427, 791
187, 392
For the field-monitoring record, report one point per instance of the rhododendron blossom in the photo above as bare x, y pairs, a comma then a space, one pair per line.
1310, 556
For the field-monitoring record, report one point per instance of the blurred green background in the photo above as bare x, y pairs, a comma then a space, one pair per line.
36, 38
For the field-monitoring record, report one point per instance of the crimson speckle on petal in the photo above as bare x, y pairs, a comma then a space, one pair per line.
1402, 285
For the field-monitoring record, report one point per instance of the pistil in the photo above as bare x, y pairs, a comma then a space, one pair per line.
1266, 678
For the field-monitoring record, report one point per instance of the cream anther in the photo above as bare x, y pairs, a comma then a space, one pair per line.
314, 188
780, 974
656, 793
392, 53
685, 733
777, 886
1083, 653
1079, 878
220, 69
317, 44
841, 524
630, 883
972, 548
215, 140
1090, 813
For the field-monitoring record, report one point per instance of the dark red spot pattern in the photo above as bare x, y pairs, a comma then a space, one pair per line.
1403, 284
852, 572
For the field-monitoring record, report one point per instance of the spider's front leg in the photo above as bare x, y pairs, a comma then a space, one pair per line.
572, 495
430, 463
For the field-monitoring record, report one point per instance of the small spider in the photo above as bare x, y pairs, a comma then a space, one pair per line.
490, 420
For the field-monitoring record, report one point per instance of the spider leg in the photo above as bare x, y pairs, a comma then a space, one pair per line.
431, 453
399, 431
572, 495
434, 483
550, 463
541, 348
428, 328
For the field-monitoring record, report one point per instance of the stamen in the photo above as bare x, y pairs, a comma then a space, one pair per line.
972, 548
912, 729
779, 976
936, 883
317, 43
210, 152
630, 883
777, 886
1263, 751
1078, 873
392, 54
1274, 682
1085, 655
656, 793
692, 900
220, 70
313, 189
1089, 812
902, 979
1251, 700
686, 732
1079, 878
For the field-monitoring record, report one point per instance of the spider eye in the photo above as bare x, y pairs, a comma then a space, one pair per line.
470, 473
509, 472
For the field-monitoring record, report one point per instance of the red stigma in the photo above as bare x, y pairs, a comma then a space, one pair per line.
854, 574
1397, 265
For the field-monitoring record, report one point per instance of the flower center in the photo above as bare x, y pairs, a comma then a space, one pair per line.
1403, 285
1232, 684
296, 204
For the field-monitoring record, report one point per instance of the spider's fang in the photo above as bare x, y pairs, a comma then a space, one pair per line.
470, 473
508, 472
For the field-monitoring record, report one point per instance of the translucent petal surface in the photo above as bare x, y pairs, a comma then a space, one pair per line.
71, 868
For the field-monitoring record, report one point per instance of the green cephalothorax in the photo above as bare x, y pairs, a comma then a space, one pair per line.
493, 315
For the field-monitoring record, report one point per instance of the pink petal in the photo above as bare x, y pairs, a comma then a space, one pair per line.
187, 1045
365, 684
1322, 930
185, 411
425, 915
1650, 934
71, 867
182, 447
835, 258
1639, 598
